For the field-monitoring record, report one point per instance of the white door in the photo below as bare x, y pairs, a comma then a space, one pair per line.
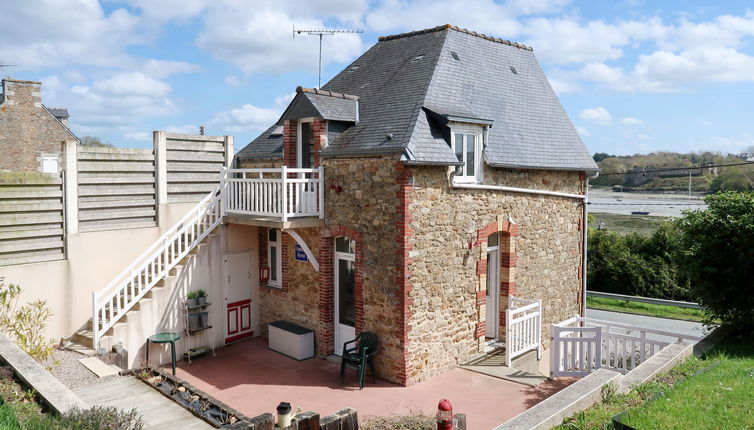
492, 322
241, 307
345, 292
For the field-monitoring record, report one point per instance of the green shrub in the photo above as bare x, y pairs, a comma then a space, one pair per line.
100, 417
717, 253
25, 325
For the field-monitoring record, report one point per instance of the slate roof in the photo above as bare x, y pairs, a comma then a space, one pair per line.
410, 85
59, 112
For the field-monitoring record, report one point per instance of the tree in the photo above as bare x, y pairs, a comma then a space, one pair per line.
94, 141
717, 254
733, 180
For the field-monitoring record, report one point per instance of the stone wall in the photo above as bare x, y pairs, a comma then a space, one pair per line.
368, 205
297, 300
27, 130
541, 244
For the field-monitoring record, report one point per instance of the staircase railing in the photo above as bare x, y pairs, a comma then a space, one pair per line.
122, 293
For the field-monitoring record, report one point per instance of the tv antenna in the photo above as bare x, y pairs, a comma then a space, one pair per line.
321, 33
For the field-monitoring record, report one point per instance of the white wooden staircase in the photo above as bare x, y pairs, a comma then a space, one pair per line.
149, 278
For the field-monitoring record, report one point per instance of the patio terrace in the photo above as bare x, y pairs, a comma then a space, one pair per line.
254, 379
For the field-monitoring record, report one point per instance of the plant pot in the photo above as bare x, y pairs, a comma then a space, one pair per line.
201, 300
195, 321
203, 319
191, 302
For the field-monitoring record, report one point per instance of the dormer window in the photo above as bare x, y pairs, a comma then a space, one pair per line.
467, 145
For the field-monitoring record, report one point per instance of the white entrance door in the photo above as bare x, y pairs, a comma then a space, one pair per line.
345, 292
241, 305
492, 321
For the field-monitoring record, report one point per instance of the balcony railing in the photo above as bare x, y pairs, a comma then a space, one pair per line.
280, 194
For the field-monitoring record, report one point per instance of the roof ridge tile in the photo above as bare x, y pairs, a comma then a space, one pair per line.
458, 29
328, 93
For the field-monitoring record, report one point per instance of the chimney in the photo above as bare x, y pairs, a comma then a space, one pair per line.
25, 94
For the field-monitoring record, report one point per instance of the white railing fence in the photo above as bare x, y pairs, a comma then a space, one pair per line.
523, 327
122, 293
277, 193
582, 345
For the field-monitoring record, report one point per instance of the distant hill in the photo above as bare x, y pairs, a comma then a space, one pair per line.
669, 171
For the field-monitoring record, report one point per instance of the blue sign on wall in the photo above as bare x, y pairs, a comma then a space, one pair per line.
300, 254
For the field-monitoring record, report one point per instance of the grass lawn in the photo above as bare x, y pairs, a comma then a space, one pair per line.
715, 392
661, 311
624, 224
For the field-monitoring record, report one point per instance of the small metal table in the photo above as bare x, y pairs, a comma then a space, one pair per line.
164, 338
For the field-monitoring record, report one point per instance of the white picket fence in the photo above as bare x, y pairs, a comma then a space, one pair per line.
272, 193
122, 293
523, 327
583, 345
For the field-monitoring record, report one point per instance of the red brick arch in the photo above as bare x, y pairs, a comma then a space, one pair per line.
508, 262
326, 256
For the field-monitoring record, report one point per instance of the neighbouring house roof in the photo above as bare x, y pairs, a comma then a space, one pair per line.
411, 86
59, 112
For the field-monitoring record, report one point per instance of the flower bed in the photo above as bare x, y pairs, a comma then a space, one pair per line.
196, 401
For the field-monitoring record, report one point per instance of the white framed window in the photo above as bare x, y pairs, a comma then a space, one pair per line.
467, 145
49, 164
274, 256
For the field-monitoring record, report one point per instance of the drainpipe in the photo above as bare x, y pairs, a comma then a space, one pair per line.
585, 239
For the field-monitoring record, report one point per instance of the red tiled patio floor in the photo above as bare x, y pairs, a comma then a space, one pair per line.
254, 379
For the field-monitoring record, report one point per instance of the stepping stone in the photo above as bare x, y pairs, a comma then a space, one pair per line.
98, 367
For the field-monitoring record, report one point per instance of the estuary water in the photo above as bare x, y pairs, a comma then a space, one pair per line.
664, 205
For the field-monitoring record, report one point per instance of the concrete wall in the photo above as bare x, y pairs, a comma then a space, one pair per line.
163, 313
540, 259
27, 130
94, 259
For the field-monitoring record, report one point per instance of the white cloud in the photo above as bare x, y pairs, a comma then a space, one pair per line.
50, 33
132, 84
161, 69
643, 137
598, 115
249, 117
631, 121
485, 16
564, 86
141, 136
583, 132
260, 40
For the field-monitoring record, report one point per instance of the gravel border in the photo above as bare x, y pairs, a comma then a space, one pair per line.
65, 366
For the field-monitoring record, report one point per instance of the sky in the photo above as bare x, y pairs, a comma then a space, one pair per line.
634, 76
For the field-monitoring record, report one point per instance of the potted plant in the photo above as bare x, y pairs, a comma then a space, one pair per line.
191, 298
195, 320
201, 298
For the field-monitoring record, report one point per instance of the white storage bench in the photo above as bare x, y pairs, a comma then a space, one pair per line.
291, 339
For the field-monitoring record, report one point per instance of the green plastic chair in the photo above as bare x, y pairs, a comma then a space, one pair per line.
360, 355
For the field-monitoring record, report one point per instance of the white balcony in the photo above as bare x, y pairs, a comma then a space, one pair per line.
282, 197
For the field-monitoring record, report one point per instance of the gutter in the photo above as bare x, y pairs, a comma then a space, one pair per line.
517, 190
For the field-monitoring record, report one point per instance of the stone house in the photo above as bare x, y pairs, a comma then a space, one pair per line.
445, 176
31, 135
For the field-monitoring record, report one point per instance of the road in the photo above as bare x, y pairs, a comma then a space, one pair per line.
664, 324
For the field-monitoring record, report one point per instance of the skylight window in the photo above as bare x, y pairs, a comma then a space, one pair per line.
417, 58
513, 70
455, 56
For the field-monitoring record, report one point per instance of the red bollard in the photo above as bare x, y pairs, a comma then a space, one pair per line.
444, 415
